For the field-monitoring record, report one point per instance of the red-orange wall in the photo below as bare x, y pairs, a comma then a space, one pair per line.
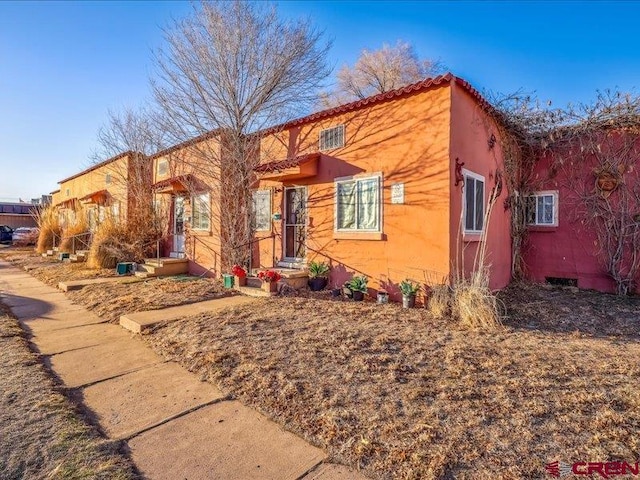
471, 129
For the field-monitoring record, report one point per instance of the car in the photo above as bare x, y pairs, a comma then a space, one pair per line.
25, 236
6, 234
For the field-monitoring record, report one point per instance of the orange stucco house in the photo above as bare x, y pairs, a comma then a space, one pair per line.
109, 188
392, 187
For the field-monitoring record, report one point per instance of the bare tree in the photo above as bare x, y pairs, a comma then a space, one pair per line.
229, 70
132, 135
379, 71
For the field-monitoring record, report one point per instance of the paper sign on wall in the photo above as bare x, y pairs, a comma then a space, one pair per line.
397, 193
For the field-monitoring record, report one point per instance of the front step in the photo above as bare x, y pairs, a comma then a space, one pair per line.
293, 277
291, 265
77, 258
162, 267
255, 291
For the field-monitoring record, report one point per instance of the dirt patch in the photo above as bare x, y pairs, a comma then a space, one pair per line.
400, 394
43, 436
112, 300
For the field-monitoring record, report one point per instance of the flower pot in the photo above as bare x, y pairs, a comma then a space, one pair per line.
317, 284
336, 292
408, 301
228, 280
383, 297
358, 296
241, 281
270, 287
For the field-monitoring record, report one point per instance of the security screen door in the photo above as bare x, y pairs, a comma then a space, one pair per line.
295, 199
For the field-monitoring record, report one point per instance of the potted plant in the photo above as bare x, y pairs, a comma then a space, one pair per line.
358, 287
318, 276
240, 274
409, 290
270, 280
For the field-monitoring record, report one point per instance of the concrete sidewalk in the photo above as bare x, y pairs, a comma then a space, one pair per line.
175, 425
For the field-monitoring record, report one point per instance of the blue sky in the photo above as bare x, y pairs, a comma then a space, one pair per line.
63, 65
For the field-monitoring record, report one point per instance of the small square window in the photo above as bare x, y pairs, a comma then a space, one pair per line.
163, 167
542, 209
332, 138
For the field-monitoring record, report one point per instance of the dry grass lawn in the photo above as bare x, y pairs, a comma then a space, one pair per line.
41, 435
112, 300
399, 394
51, 271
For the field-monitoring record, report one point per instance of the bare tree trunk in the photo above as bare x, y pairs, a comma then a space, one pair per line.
228, 71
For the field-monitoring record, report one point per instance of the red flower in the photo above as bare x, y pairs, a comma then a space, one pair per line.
269, 276
238, 271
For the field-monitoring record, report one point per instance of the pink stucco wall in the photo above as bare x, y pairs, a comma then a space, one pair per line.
571, 249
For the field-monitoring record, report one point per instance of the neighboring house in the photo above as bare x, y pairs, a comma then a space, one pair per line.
585, 203
107, 189
394, 186
186, 191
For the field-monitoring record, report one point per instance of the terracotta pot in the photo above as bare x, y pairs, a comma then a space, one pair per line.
241, 281
270, 287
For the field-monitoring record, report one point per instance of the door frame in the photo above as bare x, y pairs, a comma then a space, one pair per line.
284, 226
175, 244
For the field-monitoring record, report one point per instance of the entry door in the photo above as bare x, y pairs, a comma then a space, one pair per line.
295, 208
178, 225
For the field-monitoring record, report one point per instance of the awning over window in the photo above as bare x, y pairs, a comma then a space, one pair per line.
100, 197
68, 203
178, 184
303, 166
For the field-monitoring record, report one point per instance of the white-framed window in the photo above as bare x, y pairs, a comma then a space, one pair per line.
107, 178
358, 204
163, 167
115, 211
542, 208
473, 202
261, 210
332, 138
201, 211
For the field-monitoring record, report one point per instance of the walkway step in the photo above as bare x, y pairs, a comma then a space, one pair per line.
139, 321
70, 285
225, 440
130, 404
